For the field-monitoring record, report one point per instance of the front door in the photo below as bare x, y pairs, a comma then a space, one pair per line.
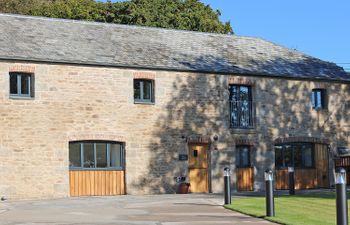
198, 168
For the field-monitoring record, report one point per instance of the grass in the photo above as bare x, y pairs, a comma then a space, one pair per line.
306, 209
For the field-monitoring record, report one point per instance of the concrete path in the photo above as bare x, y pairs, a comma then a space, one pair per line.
191, 209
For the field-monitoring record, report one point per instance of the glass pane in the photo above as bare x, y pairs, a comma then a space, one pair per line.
116, 155
25, 82
13, 84
243, 156
74, 155
307, 155
278, 156
147, 90
101, 155
233, 94
238, 157
244, 93
89, 161
313, 100
298, 161
288, 156
137, 91
318, 97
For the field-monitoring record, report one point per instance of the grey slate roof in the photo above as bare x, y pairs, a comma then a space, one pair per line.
67, 41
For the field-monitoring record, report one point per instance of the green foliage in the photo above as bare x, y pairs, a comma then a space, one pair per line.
176, 14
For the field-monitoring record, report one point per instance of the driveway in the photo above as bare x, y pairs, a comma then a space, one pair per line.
191, 209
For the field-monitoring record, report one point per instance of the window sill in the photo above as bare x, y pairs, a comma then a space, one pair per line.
318, 109
21, 97
244, 167
93, 169
243, 130
143, 103
296, 168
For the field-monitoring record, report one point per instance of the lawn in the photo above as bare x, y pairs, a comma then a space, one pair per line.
315, 208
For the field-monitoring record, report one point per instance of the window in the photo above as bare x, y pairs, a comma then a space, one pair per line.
318, 98
243, 156
143, 91
241, 106
21, 85
96, 155
299, 155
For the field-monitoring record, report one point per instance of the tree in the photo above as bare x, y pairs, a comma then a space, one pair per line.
21, 6
177, 14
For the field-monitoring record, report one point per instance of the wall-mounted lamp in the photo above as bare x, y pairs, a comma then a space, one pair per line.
215, 138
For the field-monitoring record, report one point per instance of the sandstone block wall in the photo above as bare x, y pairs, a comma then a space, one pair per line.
96, 103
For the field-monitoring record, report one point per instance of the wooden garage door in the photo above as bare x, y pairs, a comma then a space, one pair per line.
96, 182
96, 168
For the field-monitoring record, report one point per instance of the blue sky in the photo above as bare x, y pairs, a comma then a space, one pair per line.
320, 28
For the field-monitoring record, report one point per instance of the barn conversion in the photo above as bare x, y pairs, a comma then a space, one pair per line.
103, 109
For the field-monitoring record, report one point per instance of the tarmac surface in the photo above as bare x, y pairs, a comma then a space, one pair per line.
188, 209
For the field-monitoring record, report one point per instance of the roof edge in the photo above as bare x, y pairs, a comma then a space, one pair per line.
178, 70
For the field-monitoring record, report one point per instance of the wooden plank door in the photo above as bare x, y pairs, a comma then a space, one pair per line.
198, 168
245, 180
321, 161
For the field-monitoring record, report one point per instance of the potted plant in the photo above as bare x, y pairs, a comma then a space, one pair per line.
183, 186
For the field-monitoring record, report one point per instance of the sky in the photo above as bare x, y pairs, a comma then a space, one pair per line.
320, 28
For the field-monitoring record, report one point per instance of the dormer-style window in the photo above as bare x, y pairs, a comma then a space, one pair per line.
21, 85
318, 99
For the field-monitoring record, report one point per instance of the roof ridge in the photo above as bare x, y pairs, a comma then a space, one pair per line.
119, 25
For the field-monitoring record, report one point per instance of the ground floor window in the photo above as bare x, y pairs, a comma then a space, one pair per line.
294, 155
96, 155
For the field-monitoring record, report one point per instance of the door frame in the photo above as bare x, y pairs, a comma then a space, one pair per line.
208, 169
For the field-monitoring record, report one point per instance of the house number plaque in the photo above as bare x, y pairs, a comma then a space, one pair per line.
183, 157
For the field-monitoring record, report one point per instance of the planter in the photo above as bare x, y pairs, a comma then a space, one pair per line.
183, 188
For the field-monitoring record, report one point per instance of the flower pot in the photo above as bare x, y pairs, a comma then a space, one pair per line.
183, 188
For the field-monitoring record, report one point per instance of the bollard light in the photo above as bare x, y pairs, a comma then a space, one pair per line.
227, 172
268, 175
227, 185
269, 198
340, 176
291, 182
341, 199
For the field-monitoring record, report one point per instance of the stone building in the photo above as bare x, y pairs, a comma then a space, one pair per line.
100, 109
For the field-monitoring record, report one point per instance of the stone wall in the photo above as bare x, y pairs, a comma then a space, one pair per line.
96, 103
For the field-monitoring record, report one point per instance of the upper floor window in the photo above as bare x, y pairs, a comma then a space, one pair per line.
318, 98
96, 155
143, 91
243, 156
241, 106
294, 155
21, 85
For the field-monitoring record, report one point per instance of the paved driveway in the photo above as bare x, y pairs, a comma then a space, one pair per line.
188, 209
